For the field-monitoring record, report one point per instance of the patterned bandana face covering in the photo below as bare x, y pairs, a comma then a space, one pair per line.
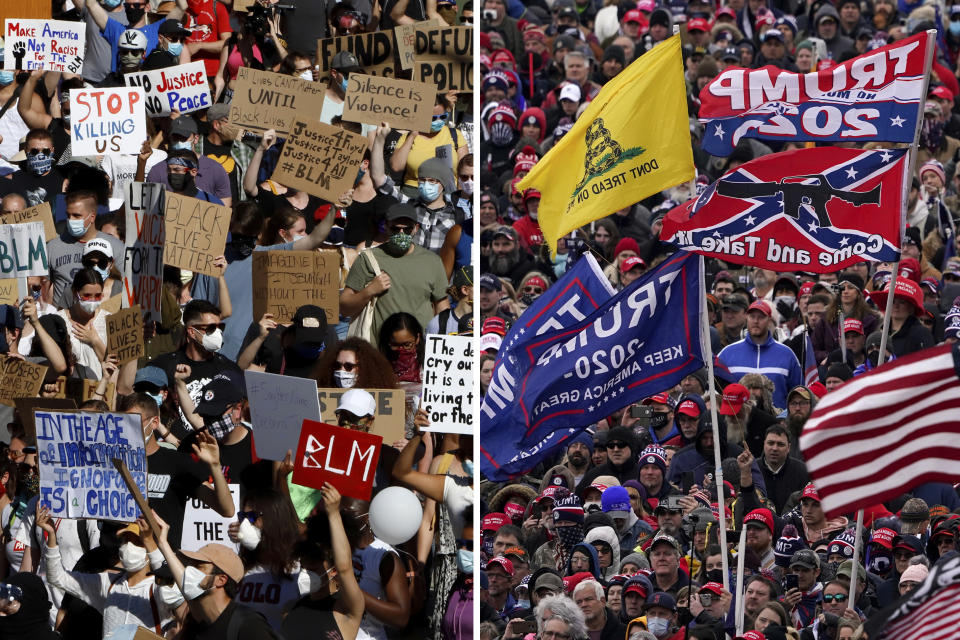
221, 427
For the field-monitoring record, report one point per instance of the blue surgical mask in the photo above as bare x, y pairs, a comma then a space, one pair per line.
176, 144
465, 561
175, 48
955, 28
437, 125
429, 191
6, 77
343, 84
360, 174
156, 398
468, 467
104, 273
112, 4
76, 227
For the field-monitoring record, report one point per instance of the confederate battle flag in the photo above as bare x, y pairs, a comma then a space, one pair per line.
814, 210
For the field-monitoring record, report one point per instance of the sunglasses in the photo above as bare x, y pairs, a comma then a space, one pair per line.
346, 366
35, 152
209, 328
617, 445
536, 290
250, 516
835, 597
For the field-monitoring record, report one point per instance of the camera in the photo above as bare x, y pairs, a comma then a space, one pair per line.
671, 503
488, 15
256, 20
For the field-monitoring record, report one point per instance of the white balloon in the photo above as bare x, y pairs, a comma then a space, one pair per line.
395, 515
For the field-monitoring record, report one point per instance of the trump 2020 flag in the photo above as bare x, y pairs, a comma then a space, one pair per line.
804, 210
643, 340
631, 142
876, 96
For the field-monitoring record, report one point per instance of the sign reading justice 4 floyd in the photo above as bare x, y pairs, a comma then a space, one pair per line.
263, 100
402, 103
107, 121
182, 88
320, 159
55, 45
77, 478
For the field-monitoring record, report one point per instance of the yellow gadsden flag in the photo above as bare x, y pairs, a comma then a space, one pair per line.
631, 142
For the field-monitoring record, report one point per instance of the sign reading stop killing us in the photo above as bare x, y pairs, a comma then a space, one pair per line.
107, 121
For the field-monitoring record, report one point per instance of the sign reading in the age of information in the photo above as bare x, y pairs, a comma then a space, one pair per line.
402, 103
263, 100
284, 281
196, 233
54, 45
182, 88
320, 159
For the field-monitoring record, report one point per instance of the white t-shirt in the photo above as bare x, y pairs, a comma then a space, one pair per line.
456, 498
123, 168
84, 353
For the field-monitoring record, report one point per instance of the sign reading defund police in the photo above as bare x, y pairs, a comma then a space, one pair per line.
77, 478
549, 387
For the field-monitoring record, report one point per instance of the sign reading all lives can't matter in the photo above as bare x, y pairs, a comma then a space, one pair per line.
77, 479
196, 233
320, 159
54, 45
107, 121
263, 100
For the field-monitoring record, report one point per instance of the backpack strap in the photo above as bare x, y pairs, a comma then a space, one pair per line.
156, 613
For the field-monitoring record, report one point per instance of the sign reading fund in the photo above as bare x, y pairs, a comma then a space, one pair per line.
77, 478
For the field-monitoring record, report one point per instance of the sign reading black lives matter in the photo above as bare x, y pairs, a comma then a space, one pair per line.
320, 159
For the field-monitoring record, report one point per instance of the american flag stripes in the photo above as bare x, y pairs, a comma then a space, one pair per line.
811, 372
929, 612
886, 432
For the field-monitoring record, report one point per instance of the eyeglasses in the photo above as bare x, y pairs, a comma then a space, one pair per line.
209, 328
707, 598
96, 262
617, 445
15, 454
799, 403
346, 366
407, 229
835, 597
251, 516
35, 152
90, 296
442, 116
410, 344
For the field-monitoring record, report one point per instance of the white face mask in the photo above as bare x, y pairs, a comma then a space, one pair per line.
658, 626
192, 577
345, 379
212, 341
170, 596
249, 536
89, 306
468, 187
132, 557
317, 581
307, 75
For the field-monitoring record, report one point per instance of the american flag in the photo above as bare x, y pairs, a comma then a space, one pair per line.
811, 372
931, 611
887, 431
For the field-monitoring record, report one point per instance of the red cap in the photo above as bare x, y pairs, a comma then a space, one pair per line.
810, 491
634, 15
660, 398
636, 588
910, 268
548, 493
493, 521
905, 289
689, 408
818, 389
697, 24
941, 92
503, 562
726, 11
762, 516
852, 324
630, 263
806, 288
570, 582
884, 537
494, 324
646, 5
753, 635
713, 587
734, 395
761, 306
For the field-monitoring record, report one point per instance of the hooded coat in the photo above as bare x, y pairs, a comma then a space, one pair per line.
629, 470
691, 458
608, 535
591, 552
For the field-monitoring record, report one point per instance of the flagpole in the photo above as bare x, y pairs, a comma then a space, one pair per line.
908, 179
857, 543
718, 474
741, 556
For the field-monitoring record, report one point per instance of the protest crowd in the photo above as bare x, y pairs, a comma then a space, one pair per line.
237, 285
612, 529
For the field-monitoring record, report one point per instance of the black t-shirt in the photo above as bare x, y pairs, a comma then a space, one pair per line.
311, 618
221, 154
173, 477
239, 467
364, 218
61, 136
201, 372
313, 212
272, 354
252, 626
34, 189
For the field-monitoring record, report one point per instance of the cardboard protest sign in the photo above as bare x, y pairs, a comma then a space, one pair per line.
202, 525
21, 379
38, 213
320, 159
107, 121
23, 250
390, 422
143, 275
89, 390
55, 45
278, 405
125, 334
345, 458
76, 475
8, 291
112, 304
196, 233
263, 100
26, 407
448, 384
283, 281
402, 103
374, 51
181, 88
444, 57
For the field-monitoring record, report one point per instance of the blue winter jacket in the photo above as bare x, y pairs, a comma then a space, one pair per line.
772, 359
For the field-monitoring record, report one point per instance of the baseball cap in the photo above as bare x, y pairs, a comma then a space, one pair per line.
662, 538
726, 11
730, 54
98, 244
506, 230
570, 92
221, 557
661, 599
184, 126
218, 111
773, 34
171, 27
852, 324
490, 281
760, 516
518, 553
550, 581
689, 408
633, 15
401, 210
698, 24
216, 396
884, 537
635, 587
133, 40
805, 558
734, 395
494, 324
490, 341
941, 92
761, 306
310, 325
659, 398
503, 562
810, 491
713, 587
359, 402
345, 61
152, 375
493, 521
735, 300
631, 262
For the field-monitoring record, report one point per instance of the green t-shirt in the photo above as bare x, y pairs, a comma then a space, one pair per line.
418, 280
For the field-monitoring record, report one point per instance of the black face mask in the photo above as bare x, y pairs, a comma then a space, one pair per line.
134, 14
242, 244
180, 181
715, 575
658, 420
